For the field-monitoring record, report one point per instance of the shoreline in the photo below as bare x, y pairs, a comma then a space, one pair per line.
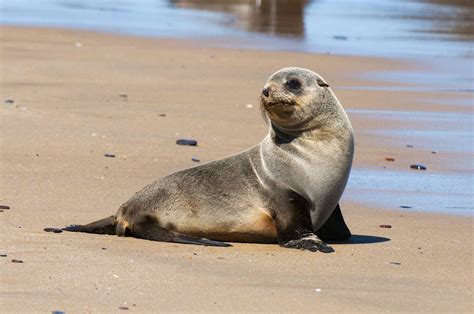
67, 112
388, 29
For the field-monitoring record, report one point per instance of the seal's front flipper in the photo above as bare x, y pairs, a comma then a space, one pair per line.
149, 228
335, 228
309, 242
294, 226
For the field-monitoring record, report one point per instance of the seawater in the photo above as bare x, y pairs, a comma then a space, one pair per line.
363, 27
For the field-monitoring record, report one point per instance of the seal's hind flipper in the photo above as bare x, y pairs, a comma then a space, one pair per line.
103, 226
184, 239
335, 228
149, 228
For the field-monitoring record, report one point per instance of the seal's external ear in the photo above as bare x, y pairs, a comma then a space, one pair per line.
322, 83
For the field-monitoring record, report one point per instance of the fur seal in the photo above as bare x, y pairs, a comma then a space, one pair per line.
284, 190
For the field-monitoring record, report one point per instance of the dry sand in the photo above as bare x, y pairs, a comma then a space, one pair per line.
68, 112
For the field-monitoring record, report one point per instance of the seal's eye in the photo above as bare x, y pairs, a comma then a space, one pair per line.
293, 84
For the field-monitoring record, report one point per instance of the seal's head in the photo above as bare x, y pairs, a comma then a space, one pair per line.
296, 99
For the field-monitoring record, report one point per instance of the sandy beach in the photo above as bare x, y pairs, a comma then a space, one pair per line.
69, 97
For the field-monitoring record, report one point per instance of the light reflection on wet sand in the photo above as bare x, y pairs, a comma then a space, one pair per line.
391, 26
262, 16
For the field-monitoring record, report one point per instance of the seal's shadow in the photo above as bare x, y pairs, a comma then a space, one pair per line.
362, 239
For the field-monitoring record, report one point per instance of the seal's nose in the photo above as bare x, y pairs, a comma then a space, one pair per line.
266, 91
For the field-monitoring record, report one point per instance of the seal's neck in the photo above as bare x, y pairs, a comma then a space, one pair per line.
333, 126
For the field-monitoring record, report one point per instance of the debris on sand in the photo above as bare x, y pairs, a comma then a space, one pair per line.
187, 142
54, 230
418, 167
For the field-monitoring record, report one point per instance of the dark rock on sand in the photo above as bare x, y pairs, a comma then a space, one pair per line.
187, 142
418, 167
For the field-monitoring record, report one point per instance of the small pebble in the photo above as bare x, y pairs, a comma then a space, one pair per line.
3, 255
17, 261
104, 248
58, 312
187, 142
418, 167
195, 159
395, 263
385, 226
78, 44
405, 206
4, 207
249, 106
318, 290
410, 146
109, 155
123, 95
1, 210
389, 159
9, 101
162, 115
340, 37
433, 152
123, 308
54, 230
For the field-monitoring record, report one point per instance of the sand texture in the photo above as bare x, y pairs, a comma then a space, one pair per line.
76, 96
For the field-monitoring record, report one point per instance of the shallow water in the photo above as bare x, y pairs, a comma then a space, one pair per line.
421, 190
449, 191
366, 27
430, 131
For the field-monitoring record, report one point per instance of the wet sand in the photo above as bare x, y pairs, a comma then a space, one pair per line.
67, 112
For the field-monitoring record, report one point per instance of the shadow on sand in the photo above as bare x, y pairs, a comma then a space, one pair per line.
361, 239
